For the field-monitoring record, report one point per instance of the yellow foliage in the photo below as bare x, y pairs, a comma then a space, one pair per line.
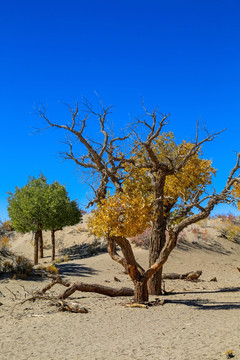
130, 213
7, 225
194, 175
4, 242
230, 230
121, 215
236, 193
52, 269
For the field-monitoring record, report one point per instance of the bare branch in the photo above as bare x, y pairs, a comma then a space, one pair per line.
195, 148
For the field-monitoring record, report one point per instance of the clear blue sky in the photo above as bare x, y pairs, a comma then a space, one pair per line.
181, 55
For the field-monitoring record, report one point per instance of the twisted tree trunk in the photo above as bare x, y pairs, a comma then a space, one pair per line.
158, 235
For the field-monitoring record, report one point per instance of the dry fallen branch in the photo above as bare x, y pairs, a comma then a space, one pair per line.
136, 305
100, 289
191, 276
72, 287
63, 305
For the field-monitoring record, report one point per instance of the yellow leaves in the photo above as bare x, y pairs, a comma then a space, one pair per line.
195, 174
236, 193
4, 242
121, 215
129, 213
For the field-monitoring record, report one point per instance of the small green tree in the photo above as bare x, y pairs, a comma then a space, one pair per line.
61, 211
27, 209
39, 206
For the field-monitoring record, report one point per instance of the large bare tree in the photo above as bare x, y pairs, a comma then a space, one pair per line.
106, 158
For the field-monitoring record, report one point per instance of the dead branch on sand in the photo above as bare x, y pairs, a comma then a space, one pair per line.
63, 305
190, 276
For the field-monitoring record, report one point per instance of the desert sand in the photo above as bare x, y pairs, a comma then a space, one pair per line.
199, 320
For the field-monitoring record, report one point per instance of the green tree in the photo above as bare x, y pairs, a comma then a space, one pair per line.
39, 206
60, 209
27, 209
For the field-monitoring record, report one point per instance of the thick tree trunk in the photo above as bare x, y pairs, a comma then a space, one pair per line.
157, 242
140, 292
53, 244
41, 244
158, 236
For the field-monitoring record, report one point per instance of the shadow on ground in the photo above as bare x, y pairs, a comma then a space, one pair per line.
65, 269
207, 304
71, 269
221, 290
214, 246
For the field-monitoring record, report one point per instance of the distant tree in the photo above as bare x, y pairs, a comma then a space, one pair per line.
61, 211
27, 209
39, 206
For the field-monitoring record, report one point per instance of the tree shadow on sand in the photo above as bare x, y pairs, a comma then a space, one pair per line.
207, 304
71, 269
221, 290
66, 269
212, 246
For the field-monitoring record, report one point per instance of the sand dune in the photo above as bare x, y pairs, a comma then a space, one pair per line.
199, 320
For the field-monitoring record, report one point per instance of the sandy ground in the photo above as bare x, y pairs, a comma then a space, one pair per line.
199, 320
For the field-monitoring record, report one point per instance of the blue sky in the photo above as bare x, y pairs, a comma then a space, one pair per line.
180, 55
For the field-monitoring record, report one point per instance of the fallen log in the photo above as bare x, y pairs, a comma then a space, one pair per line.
100, 289
192, 275
72, 287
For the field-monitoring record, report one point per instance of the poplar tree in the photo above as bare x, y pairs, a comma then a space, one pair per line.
39, 206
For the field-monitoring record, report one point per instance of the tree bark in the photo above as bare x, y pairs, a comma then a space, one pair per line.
36, 240
157, 242
41, 244
100, 289
135, 271
140, 291
158, 235
53, 244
